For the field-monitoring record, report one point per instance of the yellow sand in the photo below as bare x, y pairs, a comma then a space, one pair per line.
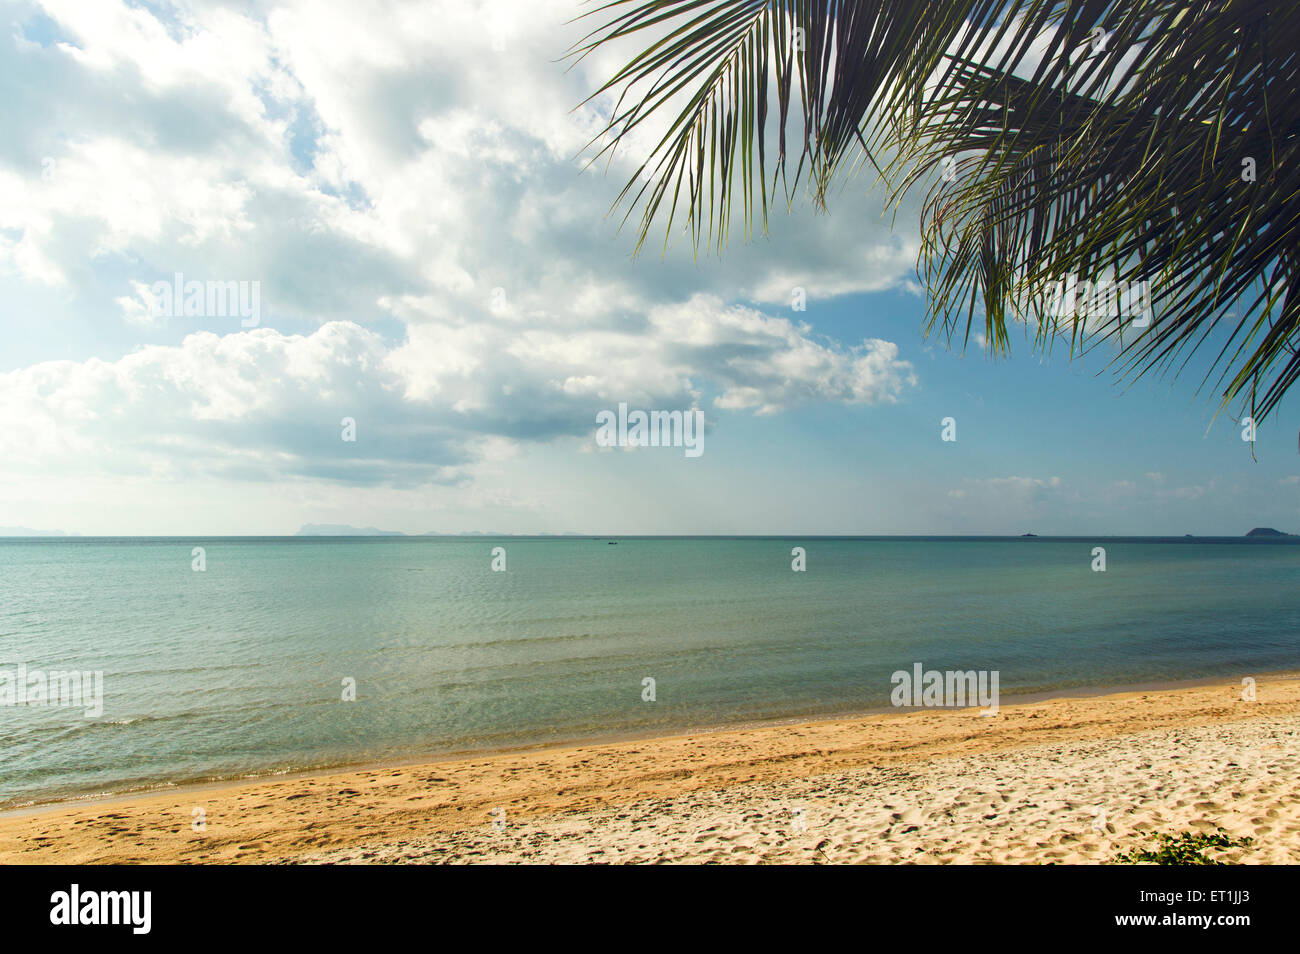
1065, 780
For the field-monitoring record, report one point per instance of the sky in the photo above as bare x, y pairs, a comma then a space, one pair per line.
404, 186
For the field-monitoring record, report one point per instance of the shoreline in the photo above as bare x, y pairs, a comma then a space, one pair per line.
445, 808
199, 785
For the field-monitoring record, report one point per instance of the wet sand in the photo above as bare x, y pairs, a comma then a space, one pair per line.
1066, 780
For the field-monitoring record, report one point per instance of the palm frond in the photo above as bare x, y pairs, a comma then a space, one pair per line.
1091, 139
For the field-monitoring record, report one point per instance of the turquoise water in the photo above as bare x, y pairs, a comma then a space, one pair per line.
238, 670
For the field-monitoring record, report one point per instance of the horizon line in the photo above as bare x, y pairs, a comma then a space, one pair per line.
391, 534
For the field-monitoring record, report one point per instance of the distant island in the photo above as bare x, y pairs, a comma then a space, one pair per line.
344, 530
347, 530
29, 532
1267, 532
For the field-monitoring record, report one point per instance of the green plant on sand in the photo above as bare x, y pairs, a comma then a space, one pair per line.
1187, 848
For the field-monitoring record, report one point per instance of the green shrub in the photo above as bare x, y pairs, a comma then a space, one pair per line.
1187, 848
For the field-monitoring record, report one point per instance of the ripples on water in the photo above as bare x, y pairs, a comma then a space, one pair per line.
238, 670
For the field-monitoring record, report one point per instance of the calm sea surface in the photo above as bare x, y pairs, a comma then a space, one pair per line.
239, 669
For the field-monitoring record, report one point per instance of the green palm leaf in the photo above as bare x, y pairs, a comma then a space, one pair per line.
1089, 138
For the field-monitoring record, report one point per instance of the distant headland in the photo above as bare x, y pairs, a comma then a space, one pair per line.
344, 530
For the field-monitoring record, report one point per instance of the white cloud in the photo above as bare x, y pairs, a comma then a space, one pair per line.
1015, 484
266, 405
272, 144
380, 172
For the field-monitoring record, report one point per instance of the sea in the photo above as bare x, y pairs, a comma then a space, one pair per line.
226, 658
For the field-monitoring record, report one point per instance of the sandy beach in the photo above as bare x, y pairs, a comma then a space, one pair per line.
1066, 780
